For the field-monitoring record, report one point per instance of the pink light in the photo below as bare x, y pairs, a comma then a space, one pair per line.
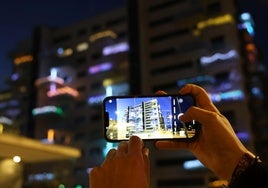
49, 79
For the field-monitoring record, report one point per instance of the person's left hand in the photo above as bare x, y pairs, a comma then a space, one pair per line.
128, 166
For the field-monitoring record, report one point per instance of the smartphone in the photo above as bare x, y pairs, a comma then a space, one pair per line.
149, 117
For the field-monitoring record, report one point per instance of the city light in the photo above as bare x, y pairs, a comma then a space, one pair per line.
23, 59
16, 159
218, 56
100, 68
227, 18
63, 91
46, 110
99, 35
116, 48
192, 164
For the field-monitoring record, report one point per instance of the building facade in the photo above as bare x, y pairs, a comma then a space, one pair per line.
205, 43
79, 65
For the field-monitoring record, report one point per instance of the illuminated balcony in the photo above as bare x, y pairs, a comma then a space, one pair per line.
49, 114
48, 80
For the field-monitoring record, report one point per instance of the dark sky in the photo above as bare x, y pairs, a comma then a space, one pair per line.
18, 17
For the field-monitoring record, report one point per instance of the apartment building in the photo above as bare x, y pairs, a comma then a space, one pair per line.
78, 65
200, 42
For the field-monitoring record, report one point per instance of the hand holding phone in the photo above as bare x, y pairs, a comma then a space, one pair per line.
149, 117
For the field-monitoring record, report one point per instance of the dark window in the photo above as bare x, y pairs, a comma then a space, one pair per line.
82, 32
217, 42
80, 120
163, 20
116, 21
174, 67
80, 104
96, 85
81, 89
61, 39
96, 55
82, 74
214, 8
169, 35
165, 4
96, 27
96, 117
166, 86
163, 53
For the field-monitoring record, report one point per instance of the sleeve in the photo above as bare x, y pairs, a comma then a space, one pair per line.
254, 175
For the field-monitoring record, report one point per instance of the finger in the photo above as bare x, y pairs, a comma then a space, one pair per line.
171, 145
95, 177
145, 151
146, 160
201, 96
160, 92
110, 155
135, 145
122, 148
203, 116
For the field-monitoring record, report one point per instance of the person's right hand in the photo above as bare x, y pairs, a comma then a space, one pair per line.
217, 146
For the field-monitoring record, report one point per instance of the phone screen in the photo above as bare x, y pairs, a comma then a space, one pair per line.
149, 117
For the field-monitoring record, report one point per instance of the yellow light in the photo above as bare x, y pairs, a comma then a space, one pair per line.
82, 46
23, 59
227, 18
50, 135
107, 82
102, 34
1, 128
16, 159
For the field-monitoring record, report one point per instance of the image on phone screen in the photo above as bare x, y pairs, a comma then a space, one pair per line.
149, 117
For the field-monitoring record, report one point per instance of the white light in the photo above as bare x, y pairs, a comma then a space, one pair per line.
16, 159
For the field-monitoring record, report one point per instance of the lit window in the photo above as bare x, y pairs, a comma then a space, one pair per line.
227, 96
227, 18
23, 59
218, 56
100, 68
82, 47
62, 91
102, 34
47, 109
64, 52
96, 99
116, 48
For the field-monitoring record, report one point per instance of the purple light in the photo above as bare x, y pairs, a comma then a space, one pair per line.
243, 136
116, 48
100, 68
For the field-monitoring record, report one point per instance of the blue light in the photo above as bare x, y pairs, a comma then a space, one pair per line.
192, 164
247, 23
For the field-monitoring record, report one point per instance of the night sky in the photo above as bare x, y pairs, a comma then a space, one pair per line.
17, 19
